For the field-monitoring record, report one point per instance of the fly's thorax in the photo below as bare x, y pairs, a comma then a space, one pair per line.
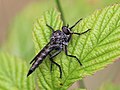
59, 37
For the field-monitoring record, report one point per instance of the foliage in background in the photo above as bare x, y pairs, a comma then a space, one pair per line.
13, 74
20, 44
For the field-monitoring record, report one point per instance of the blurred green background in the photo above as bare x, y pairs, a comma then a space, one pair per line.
16, 24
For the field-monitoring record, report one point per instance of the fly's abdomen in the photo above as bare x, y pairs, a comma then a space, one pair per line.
39, 58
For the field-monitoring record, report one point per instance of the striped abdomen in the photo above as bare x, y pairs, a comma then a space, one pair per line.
39, 58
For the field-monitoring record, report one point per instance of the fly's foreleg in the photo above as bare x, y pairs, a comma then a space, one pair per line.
76, 23
81, 33
66, 52
51, 59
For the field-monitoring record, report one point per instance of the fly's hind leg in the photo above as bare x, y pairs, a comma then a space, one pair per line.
53, 62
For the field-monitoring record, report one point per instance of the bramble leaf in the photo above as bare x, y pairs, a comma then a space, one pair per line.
95, 49
13, 74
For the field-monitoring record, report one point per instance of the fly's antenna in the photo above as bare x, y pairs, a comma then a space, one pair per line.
75, 24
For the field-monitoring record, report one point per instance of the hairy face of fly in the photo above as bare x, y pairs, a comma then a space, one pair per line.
66, 30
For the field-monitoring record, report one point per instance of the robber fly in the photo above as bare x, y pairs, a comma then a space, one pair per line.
58, 42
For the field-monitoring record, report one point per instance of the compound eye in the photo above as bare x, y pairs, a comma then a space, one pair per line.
65, 30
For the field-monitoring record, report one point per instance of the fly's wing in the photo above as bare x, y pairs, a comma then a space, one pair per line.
35, 58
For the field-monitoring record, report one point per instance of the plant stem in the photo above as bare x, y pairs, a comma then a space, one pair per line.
60, 10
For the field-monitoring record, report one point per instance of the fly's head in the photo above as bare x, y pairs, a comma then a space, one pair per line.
66, 30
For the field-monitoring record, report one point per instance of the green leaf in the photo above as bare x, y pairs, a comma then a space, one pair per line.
110, 86
13, 74
95, 49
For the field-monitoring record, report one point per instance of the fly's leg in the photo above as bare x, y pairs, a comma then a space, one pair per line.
75, 24
51, 59
52, 56
50, 27
78, 33
81, 33
51, 63
66, 52
58, 67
